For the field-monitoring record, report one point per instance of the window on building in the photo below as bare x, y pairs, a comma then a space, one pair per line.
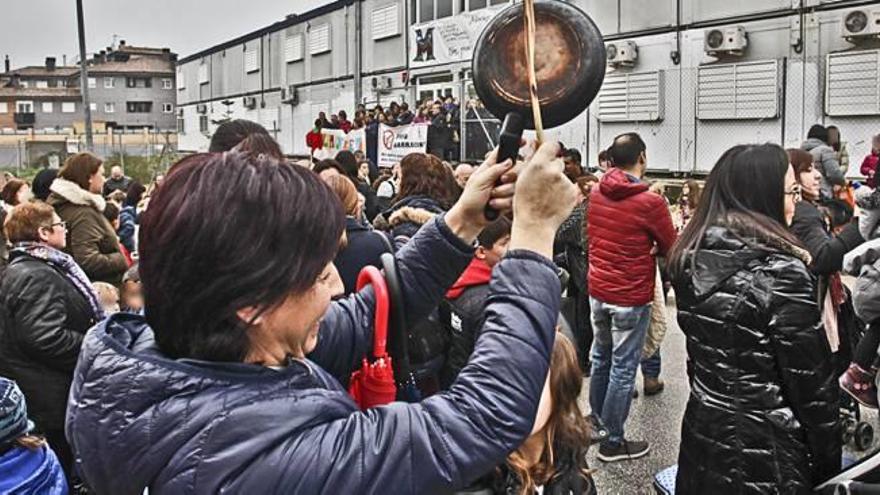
181, 127
203, 74
251, 61
498, 2
293, 48
167, 83
93, 106
130, 82
138, 106
109, 83
109, 107
429, 10
168, 108
68, 107
385, 21
4, 108
181, 80
24, 107
42, 84
25, 84
203, 123
47, 107
148, 82
319, 39
93, 83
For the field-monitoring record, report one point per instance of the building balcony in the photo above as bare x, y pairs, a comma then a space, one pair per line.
25, 118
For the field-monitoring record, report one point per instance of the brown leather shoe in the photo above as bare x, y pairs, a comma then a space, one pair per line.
653, 386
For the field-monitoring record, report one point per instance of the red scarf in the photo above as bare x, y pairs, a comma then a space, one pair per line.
477, 273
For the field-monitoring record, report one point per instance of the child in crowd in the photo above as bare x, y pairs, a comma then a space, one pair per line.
27, 463
553, 460
108, 297
130, 298
863, 262
111, 213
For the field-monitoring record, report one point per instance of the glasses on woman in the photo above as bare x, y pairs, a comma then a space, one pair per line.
56, 224
794, 192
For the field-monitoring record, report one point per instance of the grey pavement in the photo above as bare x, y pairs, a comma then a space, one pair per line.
657, 419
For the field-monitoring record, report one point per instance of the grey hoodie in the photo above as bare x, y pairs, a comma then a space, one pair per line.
825, 161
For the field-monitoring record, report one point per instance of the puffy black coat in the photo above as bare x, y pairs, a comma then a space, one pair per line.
364, 248
138, 419
762, 416
44, 319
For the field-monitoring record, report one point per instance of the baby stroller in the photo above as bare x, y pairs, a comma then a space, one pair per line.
854, 431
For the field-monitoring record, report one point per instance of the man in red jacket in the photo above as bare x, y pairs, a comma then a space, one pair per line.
627, 226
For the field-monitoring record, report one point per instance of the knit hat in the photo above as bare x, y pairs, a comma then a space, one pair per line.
13, 412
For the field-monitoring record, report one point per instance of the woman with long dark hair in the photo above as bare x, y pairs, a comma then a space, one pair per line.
763, 407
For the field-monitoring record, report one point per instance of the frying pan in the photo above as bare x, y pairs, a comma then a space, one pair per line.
569, 69
569, 63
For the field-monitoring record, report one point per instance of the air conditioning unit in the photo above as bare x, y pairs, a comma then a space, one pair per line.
381, 83
622, 53
250, 102
861, 23
202, 108
291, 96
726, 41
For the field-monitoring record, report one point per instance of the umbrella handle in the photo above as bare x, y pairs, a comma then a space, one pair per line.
371, 275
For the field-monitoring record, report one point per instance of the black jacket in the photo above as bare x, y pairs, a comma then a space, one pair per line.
463, 318
762, 416
364, 248
43, 321
810, 228
371, 208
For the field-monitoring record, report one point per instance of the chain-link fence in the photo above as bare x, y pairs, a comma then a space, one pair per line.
21, 152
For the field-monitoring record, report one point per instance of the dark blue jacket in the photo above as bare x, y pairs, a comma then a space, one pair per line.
25, 471
127, 220
364, 248
138, 419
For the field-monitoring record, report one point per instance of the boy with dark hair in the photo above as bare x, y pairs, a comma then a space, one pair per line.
463, 310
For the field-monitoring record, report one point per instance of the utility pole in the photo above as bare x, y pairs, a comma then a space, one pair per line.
84, 76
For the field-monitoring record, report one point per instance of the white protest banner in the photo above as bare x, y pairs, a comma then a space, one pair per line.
450, 39
395, 143
336, 140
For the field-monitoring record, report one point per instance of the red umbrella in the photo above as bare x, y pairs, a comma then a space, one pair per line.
373, 385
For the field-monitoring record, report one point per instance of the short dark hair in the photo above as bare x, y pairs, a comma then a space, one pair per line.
229, 134
572, 154
111, 211
494, 232
135, 194
42, 183
261, 144
327, 164
603, 155
278, 229
349, 164
79, 168
625, 150
801, 161
818, 131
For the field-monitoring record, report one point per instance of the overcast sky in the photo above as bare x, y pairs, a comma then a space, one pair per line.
35, 29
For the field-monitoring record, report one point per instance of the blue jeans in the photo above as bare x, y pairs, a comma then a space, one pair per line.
619, 335
651, 366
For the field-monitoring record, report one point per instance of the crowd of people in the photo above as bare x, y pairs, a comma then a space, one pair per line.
442, 117
199, 335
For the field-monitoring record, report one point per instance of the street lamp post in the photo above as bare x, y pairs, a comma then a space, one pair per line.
84, 75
